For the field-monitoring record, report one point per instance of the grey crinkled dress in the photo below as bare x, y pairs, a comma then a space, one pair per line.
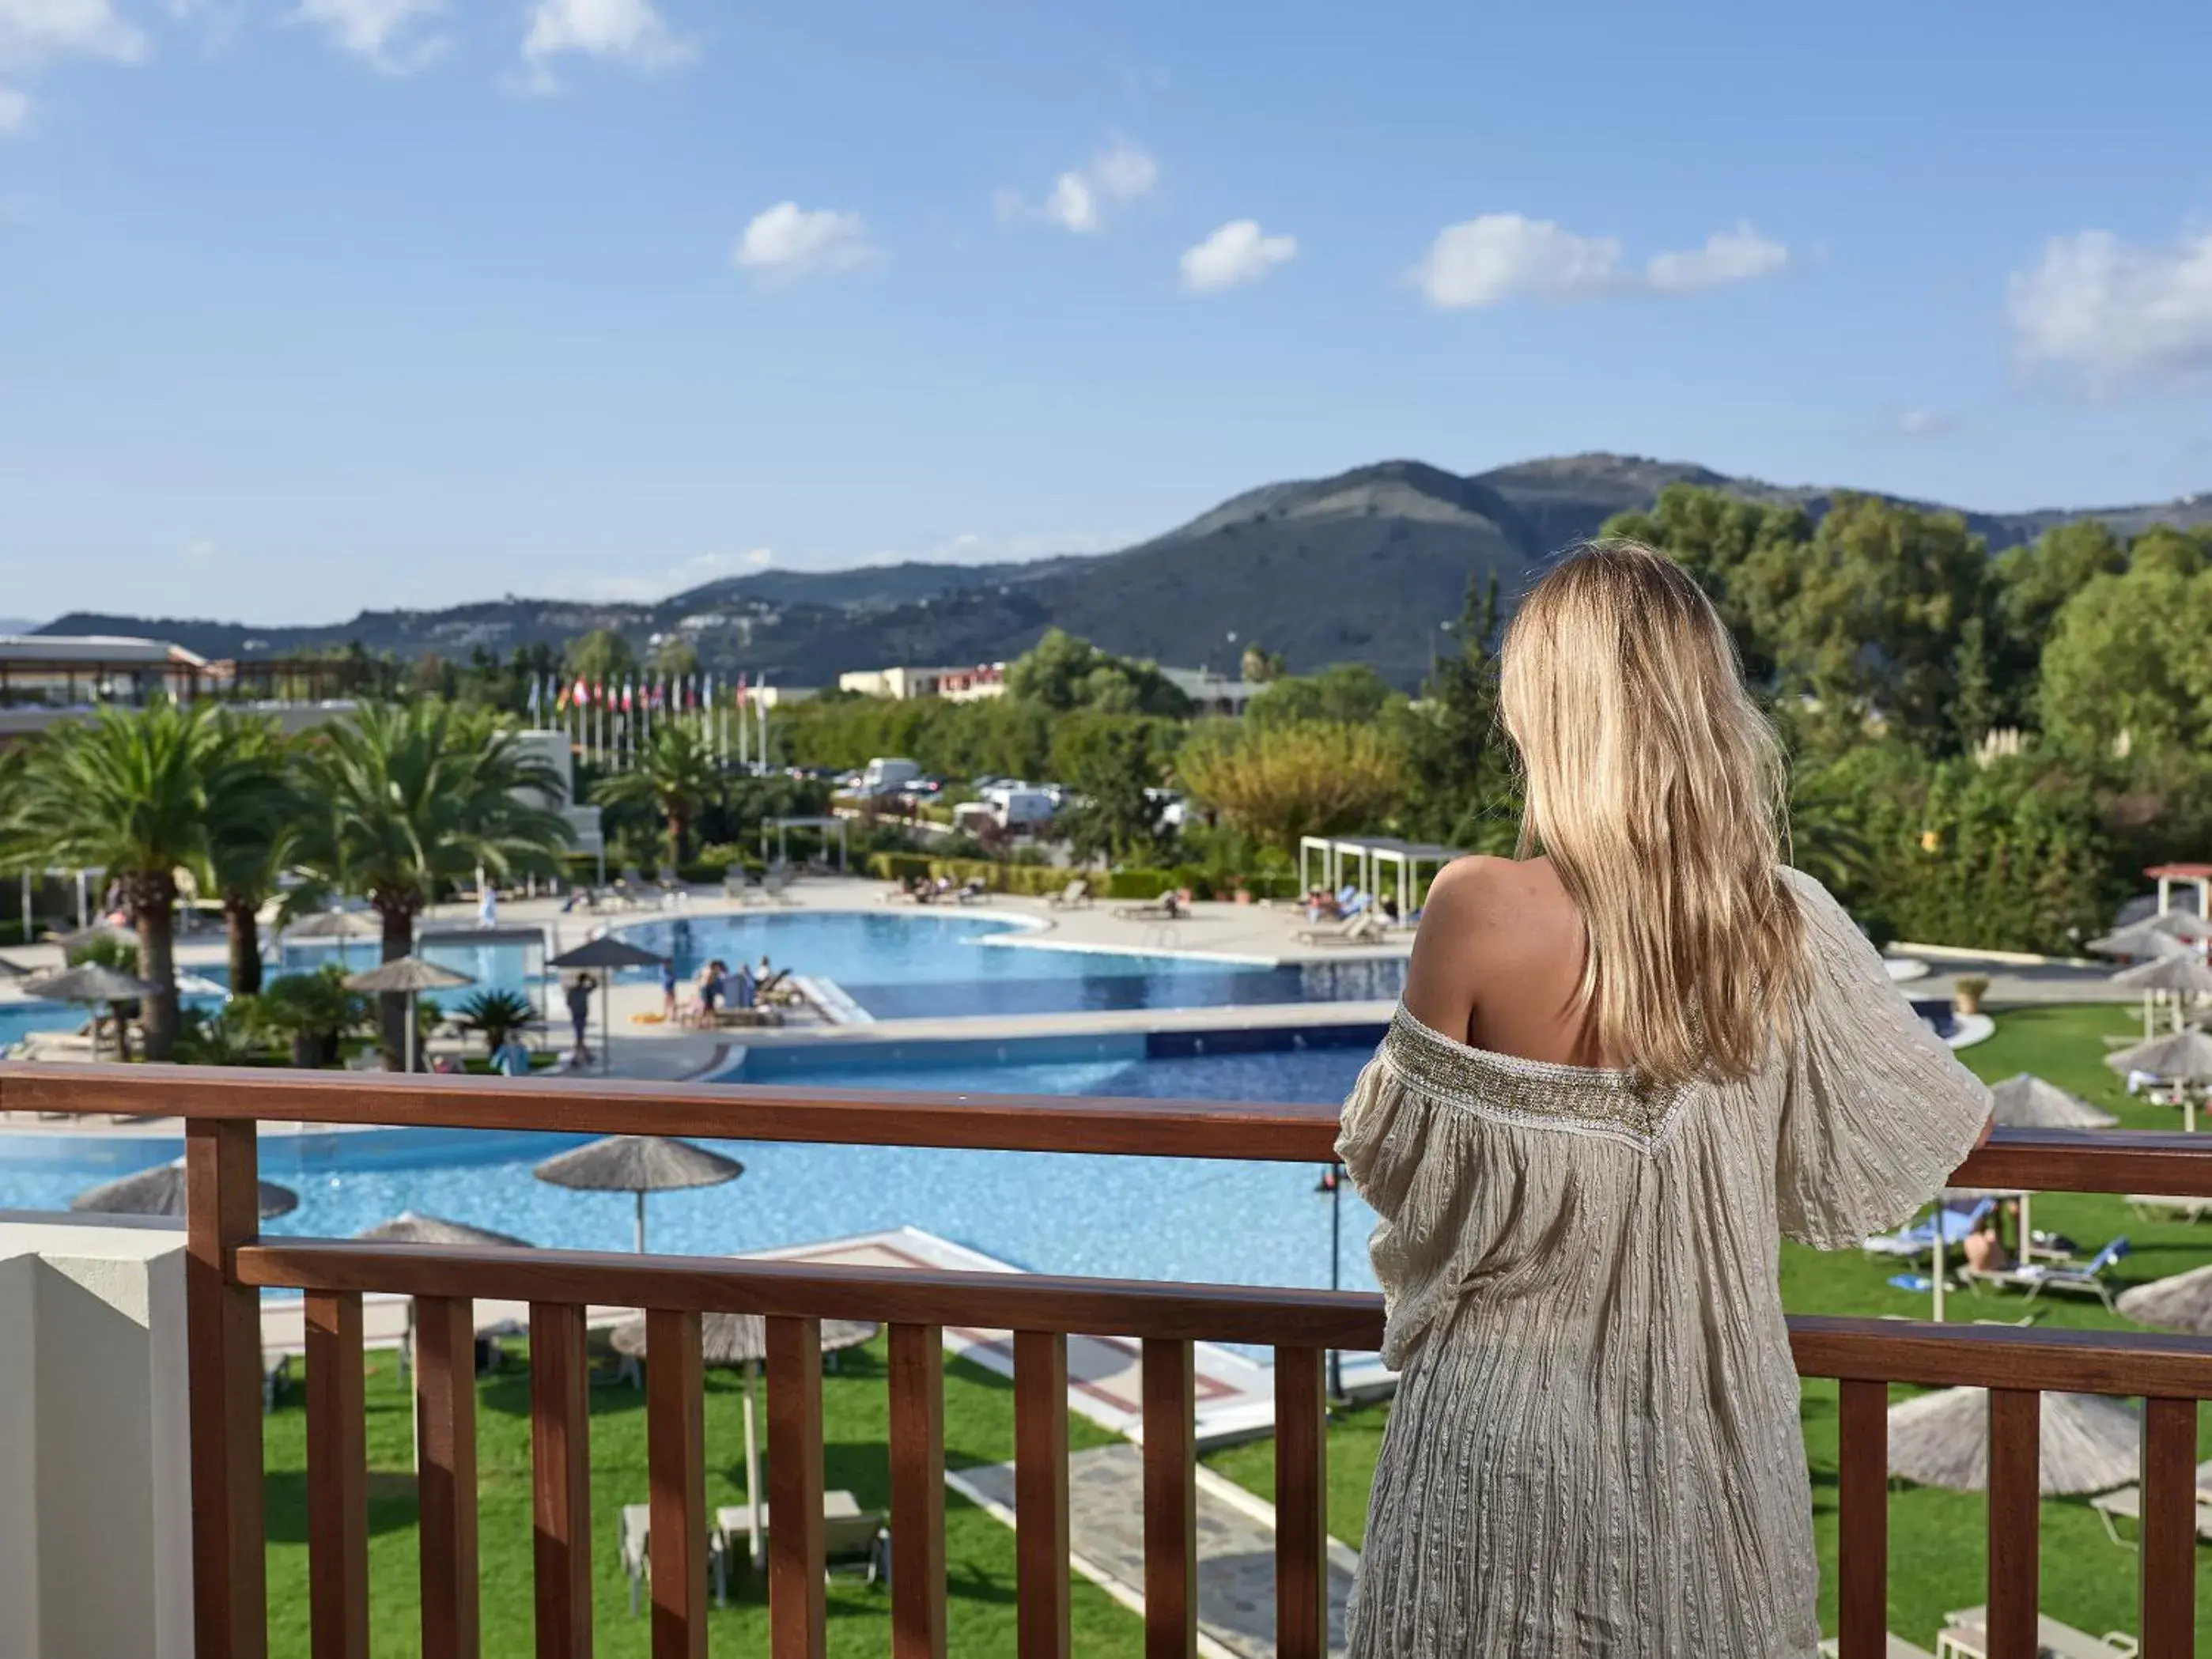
1594, 1450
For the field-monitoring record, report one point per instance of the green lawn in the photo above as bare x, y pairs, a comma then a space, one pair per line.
979, 1551
1936, 1538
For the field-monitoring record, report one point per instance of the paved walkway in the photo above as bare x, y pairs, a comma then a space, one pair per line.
1236, 1544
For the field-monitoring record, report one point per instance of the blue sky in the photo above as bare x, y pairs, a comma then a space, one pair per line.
313, 304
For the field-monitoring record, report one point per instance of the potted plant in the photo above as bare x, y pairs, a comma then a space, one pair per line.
1967, 992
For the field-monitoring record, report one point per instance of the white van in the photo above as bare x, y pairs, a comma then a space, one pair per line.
887, 776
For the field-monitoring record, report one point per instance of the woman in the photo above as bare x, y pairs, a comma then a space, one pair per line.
1625, 1065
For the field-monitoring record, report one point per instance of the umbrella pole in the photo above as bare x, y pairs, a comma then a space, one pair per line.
1938, 1274
641, 1221
2027, 1229
408, 1041
752, 1464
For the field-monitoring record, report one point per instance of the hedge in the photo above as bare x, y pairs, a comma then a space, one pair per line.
1041, 880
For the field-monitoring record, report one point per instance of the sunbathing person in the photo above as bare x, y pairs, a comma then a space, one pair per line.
1985, 1250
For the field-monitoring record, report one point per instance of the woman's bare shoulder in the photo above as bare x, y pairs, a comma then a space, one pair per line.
1477, 908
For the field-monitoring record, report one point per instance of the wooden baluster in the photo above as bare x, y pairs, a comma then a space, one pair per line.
794, 1489
1170, 1502
561, 1479
2168, 1543
917, 1403
2015, 1456
1040, 1493
676, 1453
445, 1473
230, 1598
1301, 1504
337, 1479
1863, 1516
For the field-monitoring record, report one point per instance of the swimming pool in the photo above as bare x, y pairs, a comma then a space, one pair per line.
1141, 1218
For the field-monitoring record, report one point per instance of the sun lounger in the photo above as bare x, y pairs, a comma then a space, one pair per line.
1363, 929
854, 1539
1920, 1239
1966, 1636
1158, 910
1899, 1649
2126, 1504
633, 1550
1076, 896
2150, 1206
2036, 1278
728, 1019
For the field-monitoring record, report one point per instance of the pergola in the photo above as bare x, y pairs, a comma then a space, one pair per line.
1370, 854
783, 826
2167, 874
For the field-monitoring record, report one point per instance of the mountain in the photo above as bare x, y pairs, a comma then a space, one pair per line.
1363, 565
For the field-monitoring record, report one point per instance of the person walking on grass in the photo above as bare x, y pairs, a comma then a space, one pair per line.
1626, 1064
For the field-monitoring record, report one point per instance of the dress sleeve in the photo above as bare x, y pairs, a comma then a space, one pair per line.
1877, 1111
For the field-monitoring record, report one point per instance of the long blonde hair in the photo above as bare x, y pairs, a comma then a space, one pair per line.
1659, 792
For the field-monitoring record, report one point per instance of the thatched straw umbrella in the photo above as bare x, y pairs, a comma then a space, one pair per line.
2185, 974
160, 1191
97, 933
606, 953
341, 926
639, 1164
411, 1227
2181, 1302
2089, 1443
409, 975
741, 1340
2154, 934
2183, 1058
94, 986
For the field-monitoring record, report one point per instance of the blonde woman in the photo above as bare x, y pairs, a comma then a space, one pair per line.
1627, 1064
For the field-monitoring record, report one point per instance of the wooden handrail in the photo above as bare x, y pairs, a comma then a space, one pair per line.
1259, 1314
2034, 1160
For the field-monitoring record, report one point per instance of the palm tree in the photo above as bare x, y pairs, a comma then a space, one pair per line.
133, 791
250, 841
409, 800
676, 776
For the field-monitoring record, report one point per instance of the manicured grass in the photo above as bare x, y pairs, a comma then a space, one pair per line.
979, 1551
1937, 1559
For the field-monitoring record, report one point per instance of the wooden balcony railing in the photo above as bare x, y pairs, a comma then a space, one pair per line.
229, 1265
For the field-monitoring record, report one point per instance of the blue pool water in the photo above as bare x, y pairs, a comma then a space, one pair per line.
1165, 1218
896, 966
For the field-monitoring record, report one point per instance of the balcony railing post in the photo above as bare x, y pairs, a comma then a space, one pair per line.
2168, 1523
1170, 1500
917, 1410
337, 1478
1863, 1516
2015, 1495
795, 1611
561, 1479
445, 1475
230, 1613
675, 1455
1040, 1610
1301, 1506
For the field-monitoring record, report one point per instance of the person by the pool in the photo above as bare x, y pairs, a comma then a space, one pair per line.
511, 1058
742, 989
1626, 1064
712, 984
668, 990
579, 1013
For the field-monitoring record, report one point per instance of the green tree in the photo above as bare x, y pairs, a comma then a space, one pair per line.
1110, 761
410, 800
250, 834
1062, 672
2127, 663
1277, 784
2032, 583
676, 776
1715, 537
674, 658
1459, 761
1261, 666
1347, 693
132, 793
600, 657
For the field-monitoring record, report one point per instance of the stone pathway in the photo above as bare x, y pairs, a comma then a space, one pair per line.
1236, 1544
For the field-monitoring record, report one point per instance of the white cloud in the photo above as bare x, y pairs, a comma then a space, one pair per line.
36, 31
390, 35
1741, 255
969, 548
787, 242
2114, 313
629, 31
1080, 197
15, 111
1499, 256
1236, 253
1914, 421
694, 572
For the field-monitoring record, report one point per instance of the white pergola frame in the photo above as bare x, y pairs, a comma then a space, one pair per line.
1367, 855
783, 826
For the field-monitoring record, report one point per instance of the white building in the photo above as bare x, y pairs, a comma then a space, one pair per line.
1214, 694
971, 683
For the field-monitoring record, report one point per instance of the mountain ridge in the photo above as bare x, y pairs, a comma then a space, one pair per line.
1362, 565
